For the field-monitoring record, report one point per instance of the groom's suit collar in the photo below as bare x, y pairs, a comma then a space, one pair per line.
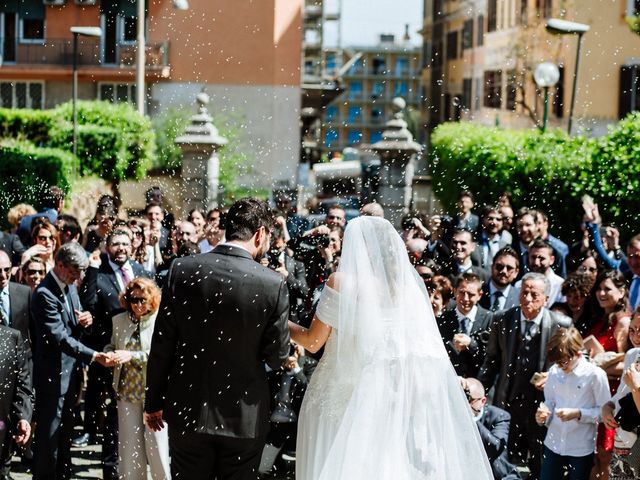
233, 250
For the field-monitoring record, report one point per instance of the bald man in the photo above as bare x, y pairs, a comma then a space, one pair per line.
493, 425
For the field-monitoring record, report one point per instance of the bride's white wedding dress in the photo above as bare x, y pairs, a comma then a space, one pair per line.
384, 401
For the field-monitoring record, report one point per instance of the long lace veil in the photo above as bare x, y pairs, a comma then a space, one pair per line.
408, 417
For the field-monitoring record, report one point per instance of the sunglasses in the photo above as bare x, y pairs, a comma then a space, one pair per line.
501, 266
137, 300
34, 271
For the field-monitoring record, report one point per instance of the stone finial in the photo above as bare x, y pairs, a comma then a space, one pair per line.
398, 104
201, 130
203, 100
396, 136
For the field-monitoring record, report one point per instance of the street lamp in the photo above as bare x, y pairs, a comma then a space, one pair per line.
564, 27
546, 75
140, 54
85, 32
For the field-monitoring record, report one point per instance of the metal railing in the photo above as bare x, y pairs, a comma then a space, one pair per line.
59, 51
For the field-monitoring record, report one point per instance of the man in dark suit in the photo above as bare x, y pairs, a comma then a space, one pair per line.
462, 247
59, 325
516, 362
465, 219
222, 316
15, 312
465, 329
491, 236
105, 279
493, 425
12, 246
499, 293
16, 394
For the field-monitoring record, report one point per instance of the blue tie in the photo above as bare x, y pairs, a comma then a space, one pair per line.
4, 304
464, 325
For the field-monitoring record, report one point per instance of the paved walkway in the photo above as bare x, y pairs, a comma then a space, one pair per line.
86, 464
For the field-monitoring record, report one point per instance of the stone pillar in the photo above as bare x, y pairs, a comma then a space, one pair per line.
200, 163
398, 152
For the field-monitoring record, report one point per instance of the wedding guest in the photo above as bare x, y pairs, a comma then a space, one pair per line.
574, 393
69, 229
625, 461
96, 234
465, 219
611, 330
577, 289
130, 346
149, 256
541, 259
17, 213
462, 247
493, 424
46, 242
440, 293
213, 230
499, 293
196, 217
32, 272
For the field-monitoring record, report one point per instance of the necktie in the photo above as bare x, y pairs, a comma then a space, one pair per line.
125, 277
4, 307
530, 329
464, 325
497, 295
634, 293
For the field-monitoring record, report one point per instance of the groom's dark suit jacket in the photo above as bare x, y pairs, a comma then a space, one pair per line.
221, 317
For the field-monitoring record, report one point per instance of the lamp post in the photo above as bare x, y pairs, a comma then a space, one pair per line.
546, 75
85, 32
563, 27
140, 54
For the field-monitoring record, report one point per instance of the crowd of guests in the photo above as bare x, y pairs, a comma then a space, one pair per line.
544, 335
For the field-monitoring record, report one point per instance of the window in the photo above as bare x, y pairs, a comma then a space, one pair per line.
544, 8
402, 67
376, 136
377, 90
331, 64
309, 67
356, 68
354, 136
476, 98
332, 113
330, 137
512, 89
32, 30
480, 33
452, 45
378, 66
355, 114
355, 90
22, 95
558, 98
492, 15
467, 34
129, 29
493, 89
524, 12
436, 60
377, 115
629, 96
401, 89
117, 92
466, 93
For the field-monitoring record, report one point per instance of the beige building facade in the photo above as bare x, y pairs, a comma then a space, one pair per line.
482, 55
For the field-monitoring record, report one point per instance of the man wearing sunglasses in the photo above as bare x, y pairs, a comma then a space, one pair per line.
499, 293
106, 278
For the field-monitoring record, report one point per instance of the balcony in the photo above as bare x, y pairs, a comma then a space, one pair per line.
59, 52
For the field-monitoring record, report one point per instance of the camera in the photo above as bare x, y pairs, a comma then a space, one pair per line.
320, 241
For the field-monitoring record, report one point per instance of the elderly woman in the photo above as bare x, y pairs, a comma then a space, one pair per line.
129, 347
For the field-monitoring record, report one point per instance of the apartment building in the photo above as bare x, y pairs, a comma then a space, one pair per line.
384, 71
481, 55
245, 54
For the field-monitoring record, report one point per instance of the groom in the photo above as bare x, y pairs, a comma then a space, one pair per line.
222, 315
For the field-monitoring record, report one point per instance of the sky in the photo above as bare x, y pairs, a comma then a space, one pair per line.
364, 20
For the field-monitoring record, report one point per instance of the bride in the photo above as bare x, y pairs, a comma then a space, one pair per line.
384, 402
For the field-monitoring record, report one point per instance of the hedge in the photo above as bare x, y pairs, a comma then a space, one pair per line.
32, 125
550, 171
27, 171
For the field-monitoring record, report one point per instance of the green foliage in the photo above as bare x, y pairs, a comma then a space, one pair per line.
550, 171
135, 151
634, 23
167, 126
32, 125
26, 172
100, 150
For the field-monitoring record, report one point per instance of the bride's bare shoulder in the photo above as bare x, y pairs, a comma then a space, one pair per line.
334, 281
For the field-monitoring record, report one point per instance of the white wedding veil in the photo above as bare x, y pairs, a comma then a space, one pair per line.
408, 417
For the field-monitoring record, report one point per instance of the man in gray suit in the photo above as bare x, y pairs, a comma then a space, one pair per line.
222, 317
516, 362
499, 293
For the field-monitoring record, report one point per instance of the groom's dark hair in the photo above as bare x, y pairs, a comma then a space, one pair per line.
246, 216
